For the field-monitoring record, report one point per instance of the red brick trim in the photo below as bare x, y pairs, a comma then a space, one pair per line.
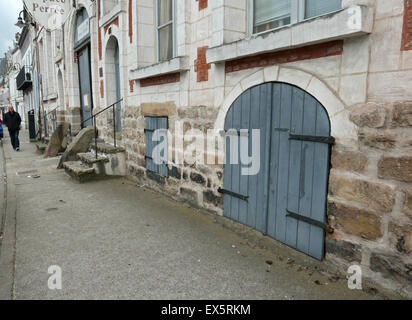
201, 67
160, 80
131, 21
99, 32
407, 26
101, 89
131, 85
327, 49
202, 4
115, 22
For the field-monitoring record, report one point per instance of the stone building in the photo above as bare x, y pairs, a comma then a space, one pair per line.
16, 96
321, 79
23, 75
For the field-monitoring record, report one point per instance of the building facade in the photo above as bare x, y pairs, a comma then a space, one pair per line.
327, 83
16, 96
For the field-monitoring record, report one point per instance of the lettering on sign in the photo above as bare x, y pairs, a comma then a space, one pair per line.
50, 14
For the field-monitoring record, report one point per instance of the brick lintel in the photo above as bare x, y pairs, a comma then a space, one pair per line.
160, 80
327, 49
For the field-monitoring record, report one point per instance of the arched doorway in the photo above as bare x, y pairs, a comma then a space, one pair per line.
112, 75
82, 49
286, 199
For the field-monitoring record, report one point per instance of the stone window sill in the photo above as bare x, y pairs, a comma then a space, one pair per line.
171, 66
49, 97
351, 22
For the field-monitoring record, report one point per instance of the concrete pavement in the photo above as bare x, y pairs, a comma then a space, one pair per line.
114, 240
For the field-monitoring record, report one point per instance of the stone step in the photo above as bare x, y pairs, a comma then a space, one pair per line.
106, 148
79, 171
90, 158
41, 147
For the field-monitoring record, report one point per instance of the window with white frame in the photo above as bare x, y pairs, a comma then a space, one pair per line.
267, 15
315, 8
165, 29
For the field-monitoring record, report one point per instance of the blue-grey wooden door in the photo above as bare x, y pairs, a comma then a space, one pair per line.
286, 199
118, 94
86, 99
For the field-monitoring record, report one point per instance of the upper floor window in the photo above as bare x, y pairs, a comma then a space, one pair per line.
269, 14
315, 8
165, 29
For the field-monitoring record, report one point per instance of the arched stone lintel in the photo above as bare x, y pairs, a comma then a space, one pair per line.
341, 127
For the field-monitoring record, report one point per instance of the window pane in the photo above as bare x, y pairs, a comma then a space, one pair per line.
269, 14
318, 7
165, 13
166, 43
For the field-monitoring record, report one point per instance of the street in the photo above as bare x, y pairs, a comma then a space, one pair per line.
114, 240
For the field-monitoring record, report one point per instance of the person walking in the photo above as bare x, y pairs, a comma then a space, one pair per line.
1, 129
12, 120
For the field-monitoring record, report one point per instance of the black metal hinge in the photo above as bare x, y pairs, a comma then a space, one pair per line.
328, 140
233, 194
311, 221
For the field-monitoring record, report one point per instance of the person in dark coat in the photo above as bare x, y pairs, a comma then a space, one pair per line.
12, 120
1, 129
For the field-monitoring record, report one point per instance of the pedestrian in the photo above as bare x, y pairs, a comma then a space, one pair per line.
12, 120
1, 129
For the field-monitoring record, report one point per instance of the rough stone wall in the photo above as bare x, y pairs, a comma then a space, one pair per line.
371, 179
369, 191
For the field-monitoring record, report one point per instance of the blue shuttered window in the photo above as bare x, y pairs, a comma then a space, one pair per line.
153, 124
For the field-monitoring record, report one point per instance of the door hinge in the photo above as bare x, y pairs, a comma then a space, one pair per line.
311, 221
233, 194
328, 140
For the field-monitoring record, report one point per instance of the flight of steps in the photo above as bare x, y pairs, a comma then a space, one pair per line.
110, 162
42, 145
44, 142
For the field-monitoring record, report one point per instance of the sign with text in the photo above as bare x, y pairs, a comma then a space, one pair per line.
50, 14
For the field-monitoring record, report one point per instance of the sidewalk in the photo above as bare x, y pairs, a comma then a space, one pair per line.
114, 240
